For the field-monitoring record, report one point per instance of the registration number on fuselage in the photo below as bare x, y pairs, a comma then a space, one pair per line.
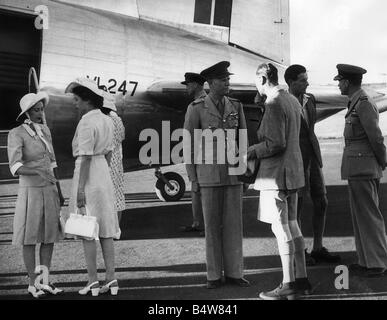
113, 86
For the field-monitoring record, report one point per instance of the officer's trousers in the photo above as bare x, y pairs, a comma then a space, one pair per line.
222, 211
197, 212
368, 223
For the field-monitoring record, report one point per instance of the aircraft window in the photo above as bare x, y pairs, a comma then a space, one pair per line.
203, 11
222, 16
213, 12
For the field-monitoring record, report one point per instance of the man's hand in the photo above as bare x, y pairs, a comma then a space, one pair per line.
195, 187
251, 153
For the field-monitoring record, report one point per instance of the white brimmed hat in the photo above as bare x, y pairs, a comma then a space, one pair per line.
85, 82
108, 102
30, 99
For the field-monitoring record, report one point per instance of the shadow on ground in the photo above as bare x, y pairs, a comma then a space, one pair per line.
160, 222
192, 287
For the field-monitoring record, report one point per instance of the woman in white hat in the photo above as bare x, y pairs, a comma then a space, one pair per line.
92, 187
116, 168
31, 157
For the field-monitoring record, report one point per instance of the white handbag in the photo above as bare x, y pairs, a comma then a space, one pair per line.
84, 226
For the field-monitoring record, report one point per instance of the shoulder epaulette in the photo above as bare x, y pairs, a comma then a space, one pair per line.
364, 98
197, 101
233, 99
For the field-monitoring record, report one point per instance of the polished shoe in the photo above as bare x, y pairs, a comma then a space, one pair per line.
92, 287
303, 286
285, 291
309, 261
214, 284
112, 286
35, 292
50, 288
240, 282
323, 255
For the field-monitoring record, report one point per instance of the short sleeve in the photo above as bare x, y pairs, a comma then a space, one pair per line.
15, 151
86, 139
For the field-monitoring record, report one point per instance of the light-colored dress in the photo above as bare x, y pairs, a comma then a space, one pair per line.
37, 208
94, 137
116, 168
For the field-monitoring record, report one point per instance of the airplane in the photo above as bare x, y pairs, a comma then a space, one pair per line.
150, 60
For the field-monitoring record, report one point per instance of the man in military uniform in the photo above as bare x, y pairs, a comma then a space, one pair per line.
194, 83
297, 79
364, 159
221, 191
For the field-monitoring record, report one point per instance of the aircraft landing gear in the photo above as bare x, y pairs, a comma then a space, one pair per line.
170, 186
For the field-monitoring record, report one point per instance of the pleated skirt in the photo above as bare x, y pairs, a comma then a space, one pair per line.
37, 215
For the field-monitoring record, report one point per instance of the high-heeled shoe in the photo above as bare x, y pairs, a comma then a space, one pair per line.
35, 292
93, 287
112, 286
49, 288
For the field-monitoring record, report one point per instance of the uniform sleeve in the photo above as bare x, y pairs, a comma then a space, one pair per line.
369, 118
15, 151
192, 122
272, 131
47, 133
86, 139
242, 121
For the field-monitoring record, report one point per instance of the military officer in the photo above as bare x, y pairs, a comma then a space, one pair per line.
363, 161
194, 83
221, 191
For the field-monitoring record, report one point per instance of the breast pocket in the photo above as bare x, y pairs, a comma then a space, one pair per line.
232, 121
356, 128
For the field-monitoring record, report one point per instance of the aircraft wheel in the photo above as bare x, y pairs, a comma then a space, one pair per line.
165, 193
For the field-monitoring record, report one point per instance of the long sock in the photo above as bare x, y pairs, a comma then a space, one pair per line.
299, 256
287, 261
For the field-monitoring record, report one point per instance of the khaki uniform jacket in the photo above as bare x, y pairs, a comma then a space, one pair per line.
281, 166
309, 105
364, 155
203, 114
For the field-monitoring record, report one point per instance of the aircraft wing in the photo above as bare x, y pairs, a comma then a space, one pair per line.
329, 101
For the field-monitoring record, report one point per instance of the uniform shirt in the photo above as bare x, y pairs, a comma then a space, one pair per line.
25, 148
94, 135
203, 114
364, 154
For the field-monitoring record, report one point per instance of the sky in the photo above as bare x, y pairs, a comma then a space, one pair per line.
324, 33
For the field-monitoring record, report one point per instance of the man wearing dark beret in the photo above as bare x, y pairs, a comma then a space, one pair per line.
221, 191
194, 83
363, 161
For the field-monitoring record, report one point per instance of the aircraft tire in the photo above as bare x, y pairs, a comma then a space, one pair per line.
166, 194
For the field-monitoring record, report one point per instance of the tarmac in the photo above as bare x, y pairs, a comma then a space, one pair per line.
156, 261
